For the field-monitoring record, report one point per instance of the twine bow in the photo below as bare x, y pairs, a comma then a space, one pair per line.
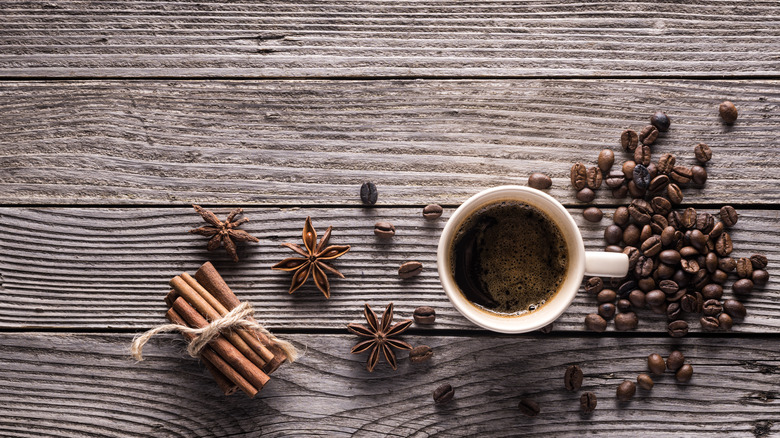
236, 318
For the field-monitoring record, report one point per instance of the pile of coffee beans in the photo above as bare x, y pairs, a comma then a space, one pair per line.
679, 259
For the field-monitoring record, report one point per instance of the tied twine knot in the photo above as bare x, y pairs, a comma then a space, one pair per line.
236, 318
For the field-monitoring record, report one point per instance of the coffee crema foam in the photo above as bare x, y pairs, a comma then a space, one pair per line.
509, 258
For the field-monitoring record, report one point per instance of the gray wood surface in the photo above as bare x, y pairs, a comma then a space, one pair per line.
96, 268
86, 385
373, 38
315, 142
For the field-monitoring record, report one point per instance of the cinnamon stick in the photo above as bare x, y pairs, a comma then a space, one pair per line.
218, 368
209, 278
222, 347
191, 296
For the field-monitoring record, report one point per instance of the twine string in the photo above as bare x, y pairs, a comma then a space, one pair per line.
235, 319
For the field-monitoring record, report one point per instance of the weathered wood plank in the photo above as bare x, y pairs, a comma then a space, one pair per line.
372, 38
109, 268
80, 385
315, 142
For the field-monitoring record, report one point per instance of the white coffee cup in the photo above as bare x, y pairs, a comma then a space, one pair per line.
580, 263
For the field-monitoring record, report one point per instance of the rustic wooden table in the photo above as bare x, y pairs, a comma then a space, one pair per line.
116, 116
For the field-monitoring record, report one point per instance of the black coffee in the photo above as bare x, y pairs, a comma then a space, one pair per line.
509, 258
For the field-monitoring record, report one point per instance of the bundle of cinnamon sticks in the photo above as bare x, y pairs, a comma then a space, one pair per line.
237, 359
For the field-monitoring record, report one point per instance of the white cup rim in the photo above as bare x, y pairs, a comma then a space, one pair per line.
551, 310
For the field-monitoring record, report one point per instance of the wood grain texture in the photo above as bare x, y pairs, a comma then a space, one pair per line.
109, 268
87, 385
375, 38
316, 142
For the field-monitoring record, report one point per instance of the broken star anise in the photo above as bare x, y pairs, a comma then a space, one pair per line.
380, 336
313, 260
225, 233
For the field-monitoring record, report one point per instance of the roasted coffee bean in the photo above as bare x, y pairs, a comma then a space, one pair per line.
734, 309
669, 256
445, 393
728, 215
727, 264
668, 236
724, 246
594, 285
620, 192
760, 277
661, 206
675, 361
621, 216
588, 402
698, 175
698, 240
635, 191
657, 223
712, 291
690, 266
633, 256
626, 321
615, 179
668, 287
629, 140
712, 308
606, 296
645, 284
606, 160
709, 323
595, 323
586, 195
716, 231
613, 248
685, 373
744, 267
432, 212
384, 229
689, 218
661, 121
641, 176
368, 193
680, 278
702, 152
628, 169
677, 296
644, 267
593, 178
539, 181
424, 315
607, 310
613, 234
420, 353
728, 112
644, 381
711, 262
648, 135
641, 211
528, 407
742, 286
677, 329
673, 311
719, 277
572, 378
705, 222
652, 246
655, 298
688, 304
658, 185
642, 155
592, 214
653, 170
759, 261
646, 233
626, 288
579, 176
623, 305
631, 235
681, 175
637, 299
626, 391
674, 194
725, 321
410, 269
666, 163
664, 271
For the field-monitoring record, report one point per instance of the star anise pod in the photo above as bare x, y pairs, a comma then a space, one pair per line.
224, 233
380, 336
313, 260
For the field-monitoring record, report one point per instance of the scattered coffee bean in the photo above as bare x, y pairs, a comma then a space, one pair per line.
655, 298
712, 308
725, 321
702, 152
595, 323
592, 214
648, 135
661, 121
658, 185
588, 402
626, 391
712, 291
677, 329
643, 155
644, 381
606, 296
443, 394
586, 195
607, 310
652, 246
628, 169
724, 246
424, 315
655, 363
719, 277
760, 277
624, 305
728, 215
410, 269
528, 407
674, 194
626, 288
685, 373
615, 179
744, 267
621, 216
384, 229
698, 175
594, 285
572, 378
716, 231
727, 264
728, 112
681, 175
626, 321
641, 176
641, 211
705, 222
368, 193
734, 309
606, 160
420, 353
638, 299
613, 234
579, 176
629, 140
539, 181
675, 361
759, 261
709, 323
432, 212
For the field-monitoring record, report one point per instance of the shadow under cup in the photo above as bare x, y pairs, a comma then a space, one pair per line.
558, 303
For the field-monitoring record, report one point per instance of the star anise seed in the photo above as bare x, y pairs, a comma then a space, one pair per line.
312, 260
380, 337
224, 233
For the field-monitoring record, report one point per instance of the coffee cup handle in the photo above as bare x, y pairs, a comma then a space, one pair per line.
605, 264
